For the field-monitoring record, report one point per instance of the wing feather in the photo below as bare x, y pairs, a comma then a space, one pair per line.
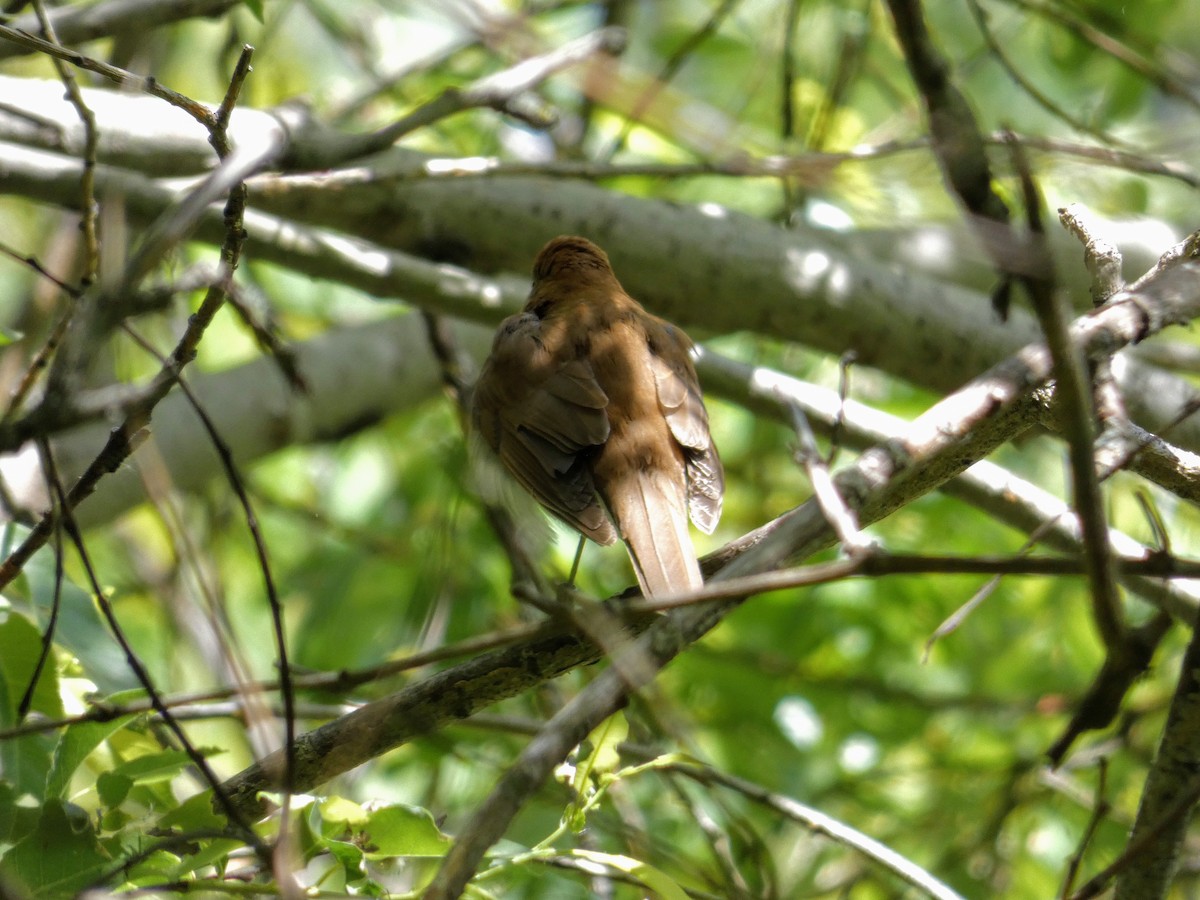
682, 404
545, 420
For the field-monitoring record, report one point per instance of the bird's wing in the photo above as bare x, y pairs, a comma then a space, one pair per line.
681, 403
544, 421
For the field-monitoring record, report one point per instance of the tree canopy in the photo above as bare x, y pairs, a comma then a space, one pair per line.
269, 623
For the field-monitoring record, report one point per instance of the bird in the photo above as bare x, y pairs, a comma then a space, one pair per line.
592, 404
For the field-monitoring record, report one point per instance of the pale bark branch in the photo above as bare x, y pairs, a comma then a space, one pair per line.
78, 24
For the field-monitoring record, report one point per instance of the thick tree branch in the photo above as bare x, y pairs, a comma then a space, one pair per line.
78, 24
884, 478
937, 446
1162, 822
794, 284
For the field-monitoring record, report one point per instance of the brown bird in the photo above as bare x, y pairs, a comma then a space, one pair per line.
593, 405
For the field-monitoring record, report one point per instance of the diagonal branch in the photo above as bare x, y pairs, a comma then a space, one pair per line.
940, 444
78, 24
969, 422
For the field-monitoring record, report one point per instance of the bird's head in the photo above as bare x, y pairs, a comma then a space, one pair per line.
570, 256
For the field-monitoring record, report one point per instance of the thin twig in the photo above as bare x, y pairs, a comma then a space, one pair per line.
1142, 840
957, 142
1149, 66
1072, 396
56, 600
1100, 809
143, 83
87, 180
1031, 89
504, 91
78, 24
225, 454
228, 178
668, 71
267, 336
234, 815
836, 511
823, 824
1101, 257
124, 439
328, 682
787, 72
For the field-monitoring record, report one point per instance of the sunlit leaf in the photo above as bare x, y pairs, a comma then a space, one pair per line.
398, 830
76, 742
658, 881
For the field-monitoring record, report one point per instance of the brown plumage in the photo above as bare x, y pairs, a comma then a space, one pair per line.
593, 405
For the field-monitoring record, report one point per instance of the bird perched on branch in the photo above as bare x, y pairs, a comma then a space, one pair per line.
593, 405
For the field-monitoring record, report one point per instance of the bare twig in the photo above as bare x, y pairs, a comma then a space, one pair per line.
79, 24
87, 181
823, 824
1168, 798
266, 335
787, 72
958, 143
1100, 810
332, 682
839, 515
56, 600
1101, 257
124, 439
120, 77
1014, 72
1073, 397
1148, 839
1151, 67
236, 817
670, 67
286, 688
505, 91
237, 164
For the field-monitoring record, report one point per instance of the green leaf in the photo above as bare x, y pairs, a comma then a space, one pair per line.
345, 812
113, 788
158, 867
213, 852
114, 819
25, 762
76, 743
196, 813
20, 646
399, 830
157, 766
658, 881
595, 768
256, 8
61, 856
16, 820
80, 629
605, 757
351, 859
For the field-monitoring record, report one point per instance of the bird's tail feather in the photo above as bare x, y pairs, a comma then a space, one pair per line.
654, 522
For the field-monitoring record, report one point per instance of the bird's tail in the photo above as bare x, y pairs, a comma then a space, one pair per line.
651, 514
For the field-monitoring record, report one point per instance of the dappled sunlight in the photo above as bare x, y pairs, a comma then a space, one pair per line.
799, 721
470, 165
811, 270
